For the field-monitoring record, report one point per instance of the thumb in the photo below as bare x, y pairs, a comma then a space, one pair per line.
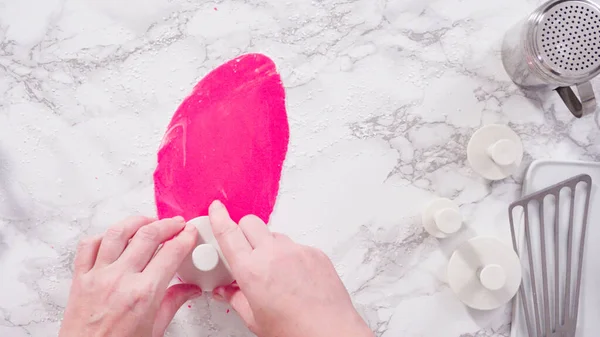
175, 297
239, 303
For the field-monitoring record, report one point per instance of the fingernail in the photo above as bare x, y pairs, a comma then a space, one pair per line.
216, 205
179, 218
220, 291
189, 228
219, 294
197, 293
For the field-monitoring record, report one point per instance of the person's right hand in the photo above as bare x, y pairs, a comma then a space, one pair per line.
285, 289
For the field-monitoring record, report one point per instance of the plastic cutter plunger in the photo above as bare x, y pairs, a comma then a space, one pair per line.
495, 151
206, 266
205, 257
442, 218
484, 273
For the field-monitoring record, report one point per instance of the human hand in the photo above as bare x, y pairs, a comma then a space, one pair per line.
285, 289
120, 286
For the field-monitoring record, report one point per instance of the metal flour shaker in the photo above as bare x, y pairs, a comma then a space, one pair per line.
556, 47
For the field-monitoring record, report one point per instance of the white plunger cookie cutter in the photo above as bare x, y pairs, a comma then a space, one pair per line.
442, 218
495, 151
206, 266
484, 273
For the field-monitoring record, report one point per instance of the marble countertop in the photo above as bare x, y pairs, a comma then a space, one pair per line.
382, 98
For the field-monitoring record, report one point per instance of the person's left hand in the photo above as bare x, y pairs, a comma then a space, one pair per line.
120, 280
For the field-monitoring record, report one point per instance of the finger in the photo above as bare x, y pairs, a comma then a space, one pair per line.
255, 230
239, 303
170, 257
146, 241
229, 235
116, 238
282, 238
174, 298
85, 257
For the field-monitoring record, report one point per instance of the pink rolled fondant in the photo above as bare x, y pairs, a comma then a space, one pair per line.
226, 141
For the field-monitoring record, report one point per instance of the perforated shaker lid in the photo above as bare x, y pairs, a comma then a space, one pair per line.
567, 38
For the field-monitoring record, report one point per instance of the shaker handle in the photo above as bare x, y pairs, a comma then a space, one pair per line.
578, 107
